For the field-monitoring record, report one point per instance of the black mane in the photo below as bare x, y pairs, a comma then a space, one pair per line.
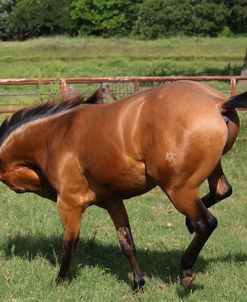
30, 114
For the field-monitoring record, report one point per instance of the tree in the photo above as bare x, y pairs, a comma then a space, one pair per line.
104, 17
6, 7
161, 18
32, 18
208, 18
237, 19
189, 17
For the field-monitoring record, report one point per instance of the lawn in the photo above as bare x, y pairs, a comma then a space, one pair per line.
75, 57
60, 56
30, 228
31, 241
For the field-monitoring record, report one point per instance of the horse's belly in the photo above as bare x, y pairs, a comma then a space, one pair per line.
125, 182
130, 184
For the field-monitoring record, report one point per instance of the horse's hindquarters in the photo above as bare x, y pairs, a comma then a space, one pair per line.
187, 159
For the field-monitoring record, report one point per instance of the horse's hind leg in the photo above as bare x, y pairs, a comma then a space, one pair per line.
187, 201
219, 189
120, 219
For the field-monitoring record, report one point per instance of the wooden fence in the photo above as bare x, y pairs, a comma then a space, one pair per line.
119, 86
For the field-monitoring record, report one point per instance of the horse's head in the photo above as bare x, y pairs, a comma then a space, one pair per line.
19, 178
19, 169
15, 172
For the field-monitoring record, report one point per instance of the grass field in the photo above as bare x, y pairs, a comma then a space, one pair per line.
46, 57
31, 231
66, 57
31, 240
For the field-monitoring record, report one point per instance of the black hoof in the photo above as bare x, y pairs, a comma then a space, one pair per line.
60, 279
138, 285
187, 277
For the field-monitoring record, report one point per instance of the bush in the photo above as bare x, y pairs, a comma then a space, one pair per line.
208, 18
104, 18
237, 20
190, 17
6, 7
22, 19
32, 18
160, 18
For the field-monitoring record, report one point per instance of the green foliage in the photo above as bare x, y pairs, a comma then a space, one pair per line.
160, 18
104, 18
32, 18
6, 7
237, 20
190, 17
22, 19
207, 18
75, 57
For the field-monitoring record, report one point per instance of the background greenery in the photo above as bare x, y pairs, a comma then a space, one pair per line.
63, 56
22, 19
83, 57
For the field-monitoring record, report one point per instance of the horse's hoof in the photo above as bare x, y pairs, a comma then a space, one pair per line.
187, 277
60, 279
138, 285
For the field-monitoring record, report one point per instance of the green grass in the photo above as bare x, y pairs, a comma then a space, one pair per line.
66, 57
30, 228
31, 241
60, 56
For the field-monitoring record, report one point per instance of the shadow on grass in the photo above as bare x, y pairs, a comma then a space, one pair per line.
160, 264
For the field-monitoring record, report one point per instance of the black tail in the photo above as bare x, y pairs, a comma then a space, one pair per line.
236, 101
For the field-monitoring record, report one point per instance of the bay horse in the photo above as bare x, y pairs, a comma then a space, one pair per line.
172, 136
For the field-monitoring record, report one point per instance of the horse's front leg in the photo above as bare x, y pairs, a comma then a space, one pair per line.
71, 217
120, 219
74, 196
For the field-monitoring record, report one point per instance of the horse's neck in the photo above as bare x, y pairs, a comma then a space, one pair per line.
28, 144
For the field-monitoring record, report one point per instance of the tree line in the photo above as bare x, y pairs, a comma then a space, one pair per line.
147, 19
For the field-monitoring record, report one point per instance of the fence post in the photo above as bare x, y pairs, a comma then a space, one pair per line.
233, 86
136, 86
63, 89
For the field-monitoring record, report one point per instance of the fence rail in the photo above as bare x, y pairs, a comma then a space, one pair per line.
130, 85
